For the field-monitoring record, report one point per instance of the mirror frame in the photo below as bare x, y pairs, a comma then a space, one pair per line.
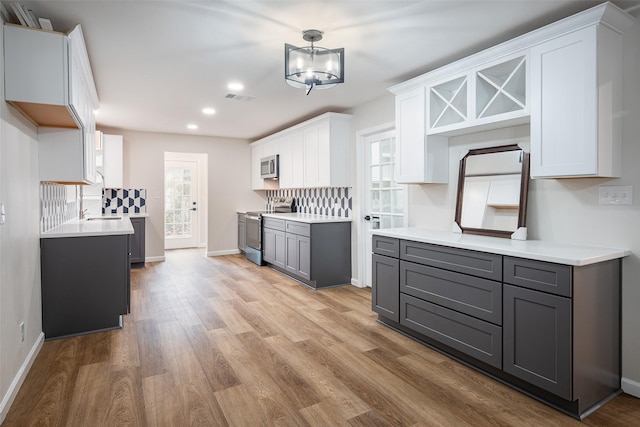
524, 189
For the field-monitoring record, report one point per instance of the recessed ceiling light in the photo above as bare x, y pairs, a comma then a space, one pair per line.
235, 86
192, 126
208, 111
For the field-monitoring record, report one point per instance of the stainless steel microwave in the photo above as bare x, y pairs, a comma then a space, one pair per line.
269, 167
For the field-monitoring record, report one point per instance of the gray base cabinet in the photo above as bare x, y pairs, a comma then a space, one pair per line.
316, 254
138, 240
385, 288
242, 233
550, 330
85, 284
274, 247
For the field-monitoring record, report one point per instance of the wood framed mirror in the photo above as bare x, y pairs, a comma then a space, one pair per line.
493, 184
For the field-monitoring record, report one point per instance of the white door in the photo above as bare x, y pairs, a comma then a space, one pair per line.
180, 204
385, 201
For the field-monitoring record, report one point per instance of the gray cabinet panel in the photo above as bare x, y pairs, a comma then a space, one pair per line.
464, 261
538, 275
291, 258
386, 246
385, 287
85, 283
300, 228
274, 247
138, 240
242, 233
470, 295
273, 223
537, 339
471, 336
303, 244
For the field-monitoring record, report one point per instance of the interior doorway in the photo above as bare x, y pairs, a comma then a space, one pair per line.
185, 190
383, 202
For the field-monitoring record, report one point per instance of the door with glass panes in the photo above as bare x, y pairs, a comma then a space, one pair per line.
180, 196
386, 200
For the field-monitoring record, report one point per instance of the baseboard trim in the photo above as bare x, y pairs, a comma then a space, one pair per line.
631, 387
155, 259
12, 392
221, 253
355, 282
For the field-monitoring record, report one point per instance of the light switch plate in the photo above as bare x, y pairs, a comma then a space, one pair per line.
616, 195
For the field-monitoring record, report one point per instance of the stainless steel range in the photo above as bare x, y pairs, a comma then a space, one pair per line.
253, 222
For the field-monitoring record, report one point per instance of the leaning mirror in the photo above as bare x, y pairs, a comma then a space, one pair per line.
492, 192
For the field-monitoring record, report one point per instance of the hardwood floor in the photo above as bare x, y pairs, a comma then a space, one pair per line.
221, 341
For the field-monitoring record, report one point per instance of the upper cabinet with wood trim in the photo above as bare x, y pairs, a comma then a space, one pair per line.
565, 79
48, 78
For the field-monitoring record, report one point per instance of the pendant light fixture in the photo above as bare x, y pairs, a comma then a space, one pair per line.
313, 66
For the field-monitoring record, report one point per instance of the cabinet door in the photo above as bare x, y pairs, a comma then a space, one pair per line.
537, 339
242, 233
291, 259
137, 241
385, 286
563, 106
311, 156
280, 257
269, 245
419, 159
112, 160
303, 246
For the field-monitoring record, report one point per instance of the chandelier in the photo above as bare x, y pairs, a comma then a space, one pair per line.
313, 66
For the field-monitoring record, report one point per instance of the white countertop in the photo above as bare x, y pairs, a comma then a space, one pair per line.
307, 218
557, 252
130, 215
83, 228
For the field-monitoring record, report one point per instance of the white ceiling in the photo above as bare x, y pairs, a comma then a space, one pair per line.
156, 64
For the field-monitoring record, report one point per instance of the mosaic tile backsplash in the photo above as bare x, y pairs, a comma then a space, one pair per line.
124, 200
334, 201
58, 204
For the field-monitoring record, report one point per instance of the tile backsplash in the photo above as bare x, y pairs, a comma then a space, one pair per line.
124, 201
58, 204
335, 201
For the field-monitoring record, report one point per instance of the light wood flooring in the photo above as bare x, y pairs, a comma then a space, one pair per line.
221, 341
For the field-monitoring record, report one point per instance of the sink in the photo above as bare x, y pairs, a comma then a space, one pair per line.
104, 218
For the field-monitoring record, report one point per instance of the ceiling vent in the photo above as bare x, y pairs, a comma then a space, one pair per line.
239, 97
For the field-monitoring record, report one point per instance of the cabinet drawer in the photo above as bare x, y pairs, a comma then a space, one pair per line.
488, 266
299, 228
539, 275
386, 246
274, 223
471, 336
470, 295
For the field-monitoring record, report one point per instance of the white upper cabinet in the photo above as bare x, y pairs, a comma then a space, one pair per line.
315, 153
563, 78
488, 96
575, 120
291, 152
419, 158
112, 159
57, 91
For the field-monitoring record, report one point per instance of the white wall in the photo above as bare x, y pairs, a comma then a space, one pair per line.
20, 299
229, 183
561, 210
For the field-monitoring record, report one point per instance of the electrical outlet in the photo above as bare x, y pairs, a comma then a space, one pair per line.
616, 195
3, 215
21, 331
